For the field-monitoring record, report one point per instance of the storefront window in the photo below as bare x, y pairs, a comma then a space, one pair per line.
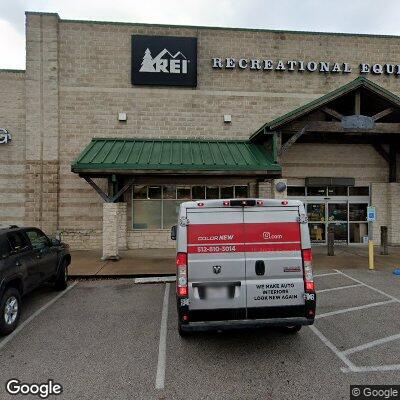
340, 231
337, 211
337, 190
154, 192
296, 191
358, 191
241, 192
316, 212
198, 192
147, 214
358, 232
183, 193
157, 207
317, 232
316, 191
226, 192
212, 192
358, 212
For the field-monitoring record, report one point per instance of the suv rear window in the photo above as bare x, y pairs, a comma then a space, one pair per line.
17, 241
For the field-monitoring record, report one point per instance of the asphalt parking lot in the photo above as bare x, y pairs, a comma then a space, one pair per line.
114, 339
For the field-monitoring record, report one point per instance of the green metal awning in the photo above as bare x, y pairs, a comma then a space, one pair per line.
105, 155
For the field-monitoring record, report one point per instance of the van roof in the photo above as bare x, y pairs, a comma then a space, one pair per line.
224, 203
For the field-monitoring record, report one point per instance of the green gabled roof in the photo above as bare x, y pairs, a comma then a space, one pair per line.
357, 83
164, 155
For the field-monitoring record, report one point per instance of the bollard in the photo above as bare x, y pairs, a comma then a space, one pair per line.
384, 241
371, 265
331, 241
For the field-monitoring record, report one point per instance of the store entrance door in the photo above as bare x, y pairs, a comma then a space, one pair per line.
325, 213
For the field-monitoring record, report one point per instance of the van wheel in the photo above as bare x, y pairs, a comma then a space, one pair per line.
182, 333
291, 329
61, 281
10, 311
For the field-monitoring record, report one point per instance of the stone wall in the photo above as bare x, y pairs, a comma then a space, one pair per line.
12, 154
78, 78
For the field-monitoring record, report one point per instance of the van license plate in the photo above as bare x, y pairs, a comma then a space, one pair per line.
217, 293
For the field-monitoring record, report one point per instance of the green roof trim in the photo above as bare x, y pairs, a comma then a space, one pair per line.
360, 82
162, 155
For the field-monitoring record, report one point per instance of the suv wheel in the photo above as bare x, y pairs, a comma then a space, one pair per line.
10, 311
61, 281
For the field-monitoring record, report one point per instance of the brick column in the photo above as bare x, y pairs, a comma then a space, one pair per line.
114, 230
264, 190
379, 199
42, 139
122, 226
394, 213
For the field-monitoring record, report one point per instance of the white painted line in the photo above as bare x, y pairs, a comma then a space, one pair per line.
333, 348
339, 288
372, 344
162, 347
377, 368
156, 279
22, 325
345, 310
370, 287
327, 274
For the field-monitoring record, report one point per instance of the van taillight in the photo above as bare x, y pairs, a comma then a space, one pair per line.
181, 275
308, 273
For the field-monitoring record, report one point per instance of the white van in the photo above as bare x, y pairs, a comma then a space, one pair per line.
243, 262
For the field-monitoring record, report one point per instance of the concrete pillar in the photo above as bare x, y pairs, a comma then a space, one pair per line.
114, 230
275, 194
394, 212
379, 199
264, 190
122, 226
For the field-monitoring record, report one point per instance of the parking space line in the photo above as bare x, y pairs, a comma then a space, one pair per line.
162, 347
23, 324
333, 348
156, 279
345, 310
372, 368
372, 344
339, 288
327, 274
370, 287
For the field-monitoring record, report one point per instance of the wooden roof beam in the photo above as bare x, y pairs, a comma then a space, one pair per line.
382, 114
332, 113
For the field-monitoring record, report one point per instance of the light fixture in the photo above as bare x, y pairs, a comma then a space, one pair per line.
227, 118
122, 117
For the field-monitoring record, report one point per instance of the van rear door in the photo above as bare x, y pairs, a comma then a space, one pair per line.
274, 268
216, 264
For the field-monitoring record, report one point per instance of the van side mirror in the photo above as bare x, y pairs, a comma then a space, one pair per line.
173, 232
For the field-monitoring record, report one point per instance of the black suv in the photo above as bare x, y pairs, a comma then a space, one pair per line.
27, 259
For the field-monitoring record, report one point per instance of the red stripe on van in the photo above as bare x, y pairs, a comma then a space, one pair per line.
269, 232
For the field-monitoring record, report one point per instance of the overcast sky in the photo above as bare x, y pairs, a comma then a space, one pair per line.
361, 16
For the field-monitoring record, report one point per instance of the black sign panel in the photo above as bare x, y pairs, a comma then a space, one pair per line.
164, 60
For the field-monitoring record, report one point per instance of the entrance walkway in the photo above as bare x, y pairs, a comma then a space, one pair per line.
156, 262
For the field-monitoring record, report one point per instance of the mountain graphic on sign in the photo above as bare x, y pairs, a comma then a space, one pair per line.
148, 63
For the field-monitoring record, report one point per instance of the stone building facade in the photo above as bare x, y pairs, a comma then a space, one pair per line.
78, 80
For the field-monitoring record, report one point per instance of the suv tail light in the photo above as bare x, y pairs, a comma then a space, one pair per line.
307, 270
181, 275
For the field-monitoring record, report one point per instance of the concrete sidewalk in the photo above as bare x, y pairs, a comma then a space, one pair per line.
156, 262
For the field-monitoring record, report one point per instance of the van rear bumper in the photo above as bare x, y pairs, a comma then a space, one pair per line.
245, 323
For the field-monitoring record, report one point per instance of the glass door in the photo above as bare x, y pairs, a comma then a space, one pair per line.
337, 217
316, 212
